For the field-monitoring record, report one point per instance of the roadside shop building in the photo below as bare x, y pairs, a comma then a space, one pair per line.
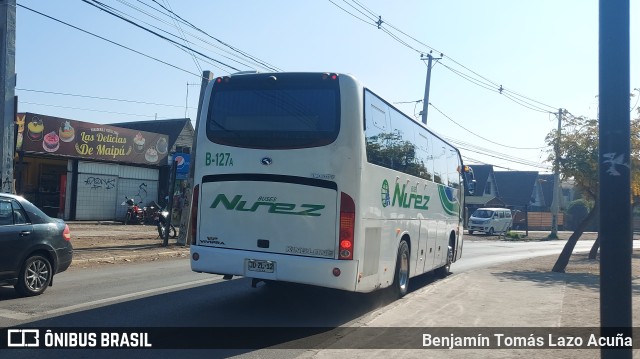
82, 171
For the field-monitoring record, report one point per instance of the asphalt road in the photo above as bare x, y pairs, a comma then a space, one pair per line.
168, 294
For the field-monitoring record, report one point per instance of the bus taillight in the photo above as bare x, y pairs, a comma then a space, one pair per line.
347, 225
329, 76
194, 213
222, 79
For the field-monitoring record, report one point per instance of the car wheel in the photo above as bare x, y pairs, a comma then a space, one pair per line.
35, 276
401, 278
490, 231
470, 232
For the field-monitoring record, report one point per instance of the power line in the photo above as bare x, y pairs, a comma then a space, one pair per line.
171, 34
402, 102
243, 53
526, 163
153, 32
159, 29
477, 78
485, 163
101, 98
484, 138
109, 41
355, 16
494, 154
184, 38
188, 33
85, 109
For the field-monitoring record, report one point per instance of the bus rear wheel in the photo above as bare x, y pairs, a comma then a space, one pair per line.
401, 278
445, 270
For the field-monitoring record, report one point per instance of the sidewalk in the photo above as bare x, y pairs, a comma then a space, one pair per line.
511, 295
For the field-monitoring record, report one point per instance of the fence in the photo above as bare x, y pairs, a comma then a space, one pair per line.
541, 221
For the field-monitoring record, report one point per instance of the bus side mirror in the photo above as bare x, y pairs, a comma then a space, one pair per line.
469, 179
471, 187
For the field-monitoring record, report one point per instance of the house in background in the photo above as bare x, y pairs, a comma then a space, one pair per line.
527, 193
486, 194
542, 196
517, 188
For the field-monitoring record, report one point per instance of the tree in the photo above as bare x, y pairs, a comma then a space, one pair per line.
579, 160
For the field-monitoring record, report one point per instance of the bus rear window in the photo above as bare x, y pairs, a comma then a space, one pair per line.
274, 114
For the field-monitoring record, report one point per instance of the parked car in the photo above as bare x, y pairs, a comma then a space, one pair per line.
490, 220
33, 246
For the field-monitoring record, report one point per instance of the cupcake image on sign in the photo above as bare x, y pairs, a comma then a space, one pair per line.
36, 128
51, 142
138, 142
20, 124
162, 146
67, 133
151, 155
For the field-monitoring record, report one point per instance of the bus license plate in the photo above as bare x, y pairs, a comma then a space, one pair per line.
255, 265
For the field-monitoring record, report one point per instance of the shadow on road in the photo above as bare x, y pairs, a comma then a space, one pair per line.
312, 315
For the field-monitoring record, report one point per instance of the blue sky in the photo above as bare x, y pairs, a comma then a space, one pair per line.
546, 50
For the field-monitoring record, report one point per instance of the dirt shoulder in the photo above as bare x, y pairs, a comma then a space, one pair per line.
108, 244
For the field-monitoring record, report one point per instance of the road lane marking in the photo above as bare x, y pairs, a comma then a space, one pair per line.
17, 315
12, 314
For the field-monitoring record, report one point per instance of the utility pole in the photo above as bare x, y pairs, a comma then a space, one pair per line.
172, 184
615, 175
425, 102
7, 92
555, 203
185, 218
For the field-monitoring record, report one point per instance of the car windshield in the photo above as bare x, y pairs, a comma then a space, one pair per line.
483, 213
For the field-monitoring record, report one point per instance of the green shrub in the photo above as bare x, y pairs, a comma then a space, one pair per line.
512, 236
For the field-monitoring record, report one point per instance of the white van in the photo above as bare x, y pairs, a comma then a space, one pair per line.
490, 220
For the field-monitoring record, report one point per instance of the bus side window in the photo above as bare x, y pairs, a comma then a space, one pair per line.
424, 159
440, 161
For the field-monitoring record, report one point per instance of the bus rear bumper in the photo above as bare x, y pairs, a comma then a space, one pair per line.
288, 268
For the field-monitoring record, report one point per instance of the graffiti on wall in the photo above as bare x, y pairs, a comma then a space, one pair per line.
141, 196
100, 183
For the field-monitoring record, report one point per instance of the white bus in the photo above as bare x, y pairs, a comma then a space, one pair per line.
312, 178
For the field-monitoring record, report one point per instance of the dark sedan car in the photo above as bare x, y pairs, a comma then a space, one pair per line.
33, 246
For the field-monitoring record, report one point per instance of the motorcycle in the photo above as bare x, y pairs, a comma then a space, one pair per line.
135, 213
160, 217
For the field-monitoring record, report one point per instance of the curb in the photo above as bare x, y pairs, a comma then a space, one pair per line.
112, 259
